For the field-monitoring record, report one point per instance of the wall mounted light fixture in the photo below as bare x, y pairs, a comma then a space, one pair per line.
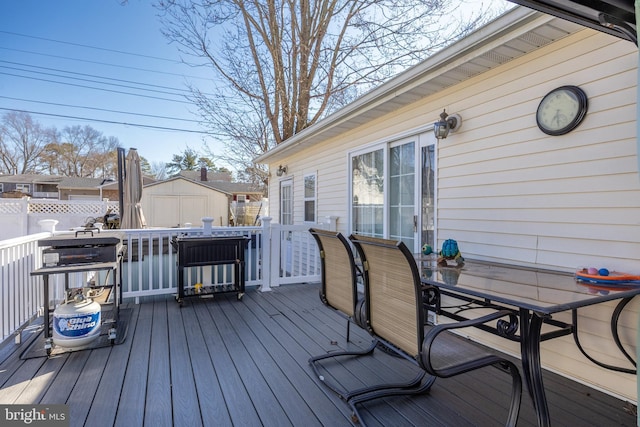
282, 170
447, 123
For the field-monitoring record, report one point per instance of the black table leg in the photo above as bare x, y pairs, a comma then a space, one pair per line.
531, 327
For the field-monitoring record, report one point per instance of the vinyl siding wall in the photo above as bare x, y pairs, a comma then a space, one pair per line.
509, 193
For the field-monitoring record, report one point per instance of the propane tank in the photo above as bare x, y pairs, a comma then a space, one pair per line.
76, 323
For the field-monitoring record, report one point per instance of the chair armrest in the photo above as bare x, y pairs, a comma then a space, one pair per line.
470, 355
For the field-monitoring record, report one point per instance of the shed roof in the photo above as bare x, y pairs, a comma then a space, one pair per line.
233, 187
176, 178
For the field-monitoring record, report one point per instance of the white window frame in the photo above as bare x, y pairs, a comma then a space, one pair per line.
383, 146
23, 187
286, 183
313, 198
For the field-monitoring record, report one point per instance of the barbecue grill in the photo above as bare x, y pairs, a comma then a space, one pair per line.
198, 251
82, 251
81, 247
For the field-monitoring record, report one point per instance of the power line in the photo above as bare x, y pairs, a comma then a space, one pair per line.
108, 121
103, 63
100, 109
96, 88
92, 47
89, 75
91, 81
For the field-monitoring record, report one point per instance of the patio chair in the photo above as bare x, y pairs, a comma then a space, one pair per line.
395, 316
339, 291
339, 275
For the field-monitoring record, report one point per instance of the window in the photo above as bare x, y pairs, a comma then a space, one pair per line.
310, 198
25, 188
393, 190
367, 192
1, 188
286, 202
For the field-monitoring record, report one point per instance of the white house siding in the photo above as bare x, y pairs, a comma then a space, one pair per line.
508, 192
180, 201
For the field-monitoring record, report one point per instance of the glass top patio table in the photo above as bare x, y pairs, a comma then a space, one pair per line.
539, 290
535, 294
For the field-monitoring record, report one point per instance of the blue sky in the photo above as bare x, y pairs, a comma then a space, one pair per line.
51, 50
31, 61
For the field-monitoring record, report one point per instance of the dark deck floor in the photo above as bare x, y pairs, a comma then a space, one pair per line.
222, 362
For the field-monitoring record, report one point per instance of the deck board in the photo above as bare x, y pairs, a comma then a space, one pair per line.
157, 406
236, 397
287, 355
83, 393
105, 401
134, 389
294, 409
225, 362
183, 390
210, 397
262, 397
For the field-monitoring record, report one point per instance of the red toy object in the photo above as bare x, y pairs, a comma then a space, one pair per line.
613, 278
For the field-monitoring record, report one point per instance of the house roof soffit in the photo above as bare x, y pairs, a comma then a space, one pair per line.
516, 33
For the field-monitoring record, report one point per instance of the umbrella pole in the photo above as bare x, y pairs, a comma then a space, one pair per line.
120, 183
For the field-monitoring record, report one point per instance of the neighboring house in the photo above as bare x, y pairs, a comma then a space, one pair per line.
246, 203
177, 201
32, 185
76, 188
241, 191
61, 187
109, 190
505, 190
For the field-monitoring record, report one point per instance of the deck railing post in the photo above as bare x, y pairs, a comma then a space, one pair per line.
276, 254
266, 254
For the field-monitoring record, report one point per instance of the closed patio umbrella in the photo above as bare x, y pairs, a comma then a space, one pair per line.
132, 216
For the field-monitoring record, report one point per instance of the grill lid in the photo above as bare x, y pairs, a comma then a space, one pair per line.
83, 239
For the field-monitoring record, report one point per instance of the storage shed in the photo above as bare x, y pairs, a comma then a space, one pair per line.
178, 201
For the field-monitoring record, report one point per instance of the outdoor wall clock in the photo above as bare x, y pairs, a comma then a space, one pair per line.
561, 110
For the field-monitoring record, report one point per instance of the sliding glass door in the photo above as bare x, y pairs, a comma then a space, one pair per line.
393, 191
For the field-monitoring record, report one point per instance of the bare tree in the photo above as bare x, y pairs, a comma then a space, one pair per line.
22, 141
282, 65
158, 170
82, 151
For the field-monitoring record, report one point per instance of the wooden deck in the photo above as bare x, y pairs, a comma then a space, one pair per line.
220, 362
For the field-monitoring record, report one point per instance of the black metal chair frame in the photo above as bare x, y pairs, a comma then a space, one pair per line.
353, 309
426, 339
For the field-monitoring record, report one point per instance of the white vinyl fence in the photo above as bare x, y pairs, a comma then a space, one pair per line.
20, 217
275, 255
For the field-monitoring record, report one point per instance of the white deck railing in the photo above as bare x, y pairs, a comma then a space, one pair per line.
276, 255
20, 293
